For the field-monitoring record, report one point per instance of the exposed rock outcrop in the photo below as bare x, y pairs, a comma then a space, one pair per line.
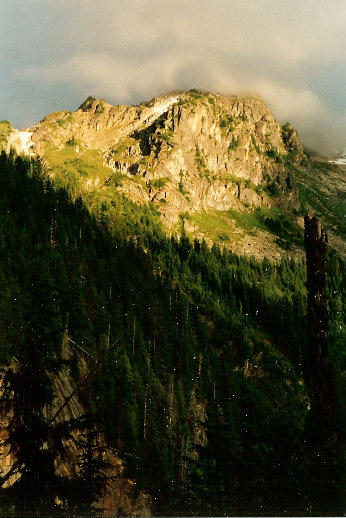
185, 153
119, 495
194, 151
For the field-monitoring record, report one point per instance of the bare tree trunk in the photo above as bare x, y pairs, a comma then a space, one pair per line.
318, 369
325, 475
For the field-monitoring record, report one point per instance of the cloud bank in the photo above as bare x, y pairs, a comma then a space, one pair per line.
292, 53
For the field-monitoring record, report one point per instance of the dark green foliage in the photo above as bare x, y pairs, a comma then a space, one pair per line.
255, 145
100, 108
71, 142
147, 137
195, 353
87, 103
272, 188
272, 153
199, 159
226, 122
233, 145
159, 183
287, 231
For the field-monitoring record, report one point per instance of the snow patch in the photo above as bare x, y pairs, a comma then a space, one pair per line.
25, 141
339, 161
161, 107
21, 141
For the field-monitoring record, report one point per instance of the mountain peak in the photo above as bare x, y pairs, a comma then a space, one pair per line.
93, 105
197, 157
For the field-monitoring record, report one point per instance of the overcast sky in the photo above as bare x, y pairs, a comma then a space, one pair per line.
54, 53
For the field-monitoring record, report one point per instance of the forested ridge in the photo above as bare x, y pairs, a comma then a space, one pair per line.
197, 355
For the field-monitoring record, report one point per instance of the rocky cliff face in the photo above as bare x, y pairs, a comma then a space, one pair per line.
186, 153
119, 495
194, 151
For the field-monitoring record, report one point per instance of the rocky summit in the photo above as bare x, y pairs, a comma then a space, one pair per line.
221, 167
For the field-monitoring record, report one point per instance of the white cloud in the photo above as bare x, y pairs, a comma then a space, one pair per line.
127, 51
319, 127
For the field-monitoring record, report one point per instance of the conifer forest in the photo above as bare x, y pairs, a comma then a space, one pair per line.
198, 368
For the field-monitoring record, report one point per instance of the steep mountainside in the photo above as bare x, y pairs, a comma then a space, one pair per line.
184, 371
221, 167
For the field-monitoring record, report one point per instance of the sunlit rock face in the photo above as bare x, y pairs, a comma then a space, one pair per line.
193, 150
185, 154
